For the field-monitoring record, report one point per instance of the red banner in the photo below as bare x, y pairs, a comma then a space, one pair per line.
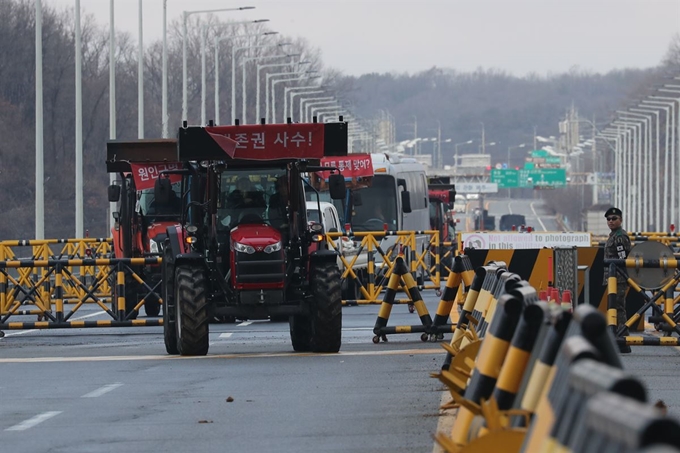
440, 194
272, 141
145, 175
351, 166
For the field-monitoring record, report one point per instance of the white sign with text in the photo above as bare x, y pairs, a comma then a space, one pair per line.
533, 240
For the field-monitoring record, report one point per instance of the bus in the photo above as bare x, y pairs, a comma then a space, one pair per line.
385, 192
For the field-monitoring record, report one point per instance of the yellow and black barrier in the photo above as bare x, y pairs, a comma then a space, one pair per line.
461, 272
488, 364
465, 342
370, 282
515, 381
663, 307
400, 275
46, 299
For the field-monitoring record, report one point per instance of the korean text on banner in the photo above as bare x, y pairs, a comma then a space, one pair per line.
145, 175
352, 166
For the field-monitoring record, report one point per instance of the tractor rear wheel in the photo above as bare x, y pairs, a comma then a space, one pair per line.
168, 291
326, 318
191, 310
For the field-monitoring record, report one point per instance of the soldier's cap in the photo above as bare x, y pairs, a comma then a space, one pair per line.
613, 211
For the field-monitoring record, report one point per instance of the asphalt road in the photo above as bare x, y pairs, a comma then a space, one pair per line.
114, 389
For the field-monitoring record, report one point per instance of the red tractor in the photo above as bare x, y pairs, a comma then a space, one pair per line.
141, 221
246, 248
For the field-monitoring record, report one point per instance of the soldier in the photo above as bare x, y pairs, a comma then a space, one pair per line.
618, 247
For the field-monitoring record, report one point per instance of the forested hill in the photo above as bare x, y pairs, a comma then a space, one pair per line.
510, 107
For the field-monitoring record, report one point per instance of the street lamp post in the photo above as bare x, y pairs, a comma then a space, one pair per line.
318, 102
140, 77
257, 83
668, 104
273, 65
39, 157
243, 82
294, 91
79, 126
634, 179
218, 40
307, 102
233, 73
274, 82
657, 113
185, 16
646, 176
303, 101
455, 147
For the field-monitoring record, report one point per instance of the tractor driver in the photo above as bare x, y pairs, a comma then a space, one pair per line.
278, 204
245, 203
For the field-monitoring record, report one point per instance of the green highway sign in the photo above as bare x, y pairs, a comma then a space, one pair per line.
527, 178
553, 177
505, 178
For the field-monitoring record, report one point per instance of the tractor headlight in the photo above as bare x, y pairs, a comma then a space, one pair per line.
153, 246
249, 249
271, 248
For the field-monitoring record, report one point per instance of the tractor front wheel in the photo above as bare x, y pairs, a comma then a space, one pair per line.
326, 318
191, 310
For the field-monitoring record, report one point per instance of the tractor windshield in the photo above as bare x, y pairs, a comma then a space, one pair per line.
149, 208
253, 196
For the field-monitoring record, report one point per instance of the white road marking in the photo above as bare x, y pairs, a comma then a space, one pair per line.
21, 332
226, 335
244, 323
31, 422
128, 358
102, 390
537, 217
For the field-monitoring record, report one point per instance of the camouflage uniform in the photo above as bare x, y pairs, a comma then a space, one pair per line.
618, 247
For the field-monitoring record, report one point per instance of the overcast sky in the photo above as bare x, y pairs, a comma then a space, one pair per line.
519, 36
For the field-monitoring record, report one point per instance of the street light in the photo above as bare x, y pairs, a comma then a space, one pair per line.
257, 78
455, 147
243, 83
294, 91
309, 75
79, 126
39, 157
645, 177
185, 16
303, 116
308, 102
634, 186
218, 40
257, 82
233, 73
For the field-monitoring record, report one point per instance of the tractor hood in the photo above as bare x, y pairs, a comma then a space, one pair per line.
157, 229
256, 235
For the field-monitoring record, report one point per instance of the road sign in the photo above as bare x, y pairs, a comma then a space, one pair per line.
506, 179
550, 177
530, 177
476, 187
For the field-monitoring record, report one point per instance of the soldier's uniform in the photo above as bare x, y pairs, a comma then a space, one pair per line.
617, 247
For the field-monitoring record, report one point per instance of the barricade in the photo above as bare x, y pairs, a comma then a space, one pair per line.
416, 246
461, 272
401, 275
665, 316
465, 343
47, 295
58, 249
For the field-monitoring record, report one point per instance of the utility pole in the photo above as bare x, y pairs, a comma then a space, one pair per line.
483, 140
439, 145
415, 134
